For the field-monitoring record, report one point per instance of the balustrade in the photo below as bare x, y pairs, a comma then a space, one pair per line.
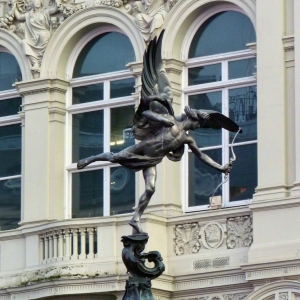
68, 243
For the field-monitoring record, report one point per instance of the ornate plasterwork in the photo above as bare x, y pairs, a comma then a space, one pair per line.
238, 296
187, 238
213, 235
239, 232
283, 296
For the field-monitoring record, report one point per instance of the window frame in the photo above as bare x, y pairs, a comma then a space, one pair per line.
224, 86
11, 120
106, 104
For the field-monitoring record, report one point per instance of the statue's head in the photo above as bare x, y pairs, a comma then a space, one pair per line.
37, 3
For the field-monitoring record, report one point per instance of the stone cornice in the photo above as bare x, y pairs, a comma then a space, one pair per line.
261, 205
39, 86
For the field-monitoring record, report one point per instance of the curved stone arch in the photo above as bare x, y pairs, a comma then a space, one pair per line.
272, 291
182, 17
71, 32
13, 44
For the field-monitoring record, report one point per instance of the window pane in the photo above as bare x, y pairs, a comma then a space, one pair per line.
205, 74
243, 110
107, 52
243, 177
224, 32
10, 150
10, 203
87, 134
203, 179
88, 93
9, 71
241, 68
206, 137
87, 194
121, 88
122, 190
10, 106
121, 122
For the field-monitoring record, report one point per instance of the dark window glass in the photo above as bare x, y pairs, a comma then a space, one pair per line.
10, 150
243, 177
120, 133
241, 68
107, 52
204, 179
87, 194
204, 74
243, 110
121, 88
87, 93
206, 137
9, 71
87, 134
122, 190
10, 106
10, 203
224, 32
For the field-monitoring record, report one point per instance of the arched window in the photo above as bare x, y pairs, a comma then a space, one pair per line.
101, 112
10, 142
220, 77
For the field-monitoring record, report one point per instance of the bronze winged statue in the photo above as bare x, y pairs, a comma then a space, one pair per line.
160, 132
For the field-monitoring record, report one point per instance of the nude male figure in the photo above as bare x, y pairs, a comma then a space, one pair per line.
171, 134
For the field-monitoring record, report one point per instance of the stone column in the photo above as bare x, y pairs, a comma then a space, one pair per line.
43, 149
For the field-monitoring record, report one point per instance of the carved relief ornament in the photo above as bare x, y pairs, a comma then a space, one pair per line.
35, 21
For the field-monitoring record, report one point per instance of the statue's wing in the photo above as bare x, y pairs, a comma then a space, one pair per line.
155, 83
216, 120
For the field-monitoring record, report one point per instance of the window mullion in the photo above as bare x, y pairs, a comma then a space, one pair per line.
225, 149
106, 191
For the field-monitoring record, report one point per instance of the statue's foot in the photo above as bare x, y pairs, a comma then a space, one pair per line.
136, 225
84, 162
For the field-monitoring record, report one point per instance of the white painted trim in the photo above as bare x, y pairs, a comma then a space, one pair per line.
10, 120
8, 94
10, 177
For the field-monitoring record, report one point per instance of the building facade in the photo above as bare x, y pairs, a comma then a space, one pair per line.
70, 78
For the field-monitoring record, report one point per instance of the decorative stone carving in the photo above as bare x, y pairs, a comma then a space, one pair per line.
238, 296
239, 232
283, 296
213, 235
187, 238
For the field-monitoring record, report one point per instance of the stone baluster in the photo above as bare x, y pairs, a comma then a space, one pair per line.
46, 247
82, 243
55, 245
60, 245
42, 247
67, 255
50, 246
91, 243
75, 243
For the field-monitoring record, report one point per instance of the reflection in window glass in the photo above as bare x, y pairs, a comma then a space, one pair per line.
87, 194
243, 111
122, 190
10, 150
224, 32
87, 93
241, 68
10, 106
108, 52
87, 134
9, 71
121, 122
204, 74
10, 203
204, 179
206, 137
122, 88
243, 177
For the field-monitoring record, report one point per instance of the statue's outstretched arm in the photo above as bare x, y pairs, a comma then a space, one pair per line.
205, 158
150, 115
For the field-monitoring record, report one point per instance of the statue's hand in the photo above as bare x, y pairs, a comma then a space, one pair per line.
168, 123
227, 168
